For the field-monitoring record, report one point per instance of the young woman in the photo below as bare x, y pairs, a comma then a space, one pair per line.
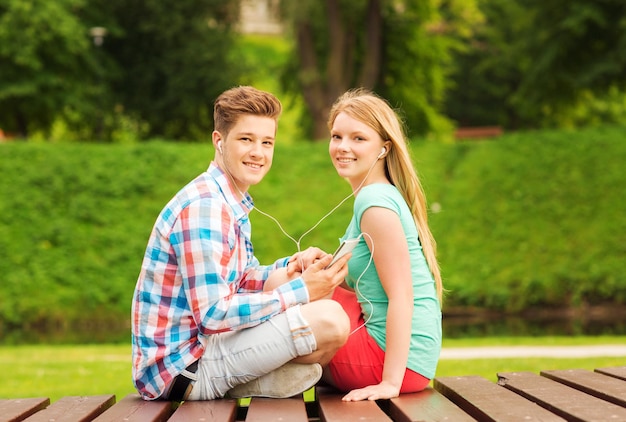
393, 290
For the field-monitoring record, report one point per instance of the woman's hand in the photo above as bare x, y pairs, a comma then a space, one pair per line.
384, 390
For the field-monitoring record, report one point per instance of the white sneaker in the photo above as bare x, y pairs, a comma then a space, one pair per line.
287, 381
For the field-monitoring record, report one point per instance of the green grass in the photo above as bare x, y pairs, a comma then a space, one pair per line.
488, 368
530, 221
57, 371
533, 341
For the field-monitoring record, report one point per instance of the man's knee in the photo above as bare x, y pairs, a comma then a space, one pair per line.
329, 322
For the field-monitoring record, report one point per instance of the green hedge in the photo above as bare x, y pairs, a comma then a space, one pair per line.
528, 220
536, 219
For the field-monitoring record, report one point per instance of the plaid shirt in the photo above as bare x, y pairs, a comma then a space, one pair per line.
199, 277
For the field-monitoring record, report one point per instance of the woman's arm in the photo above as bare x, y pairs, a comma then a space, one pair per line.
385, 236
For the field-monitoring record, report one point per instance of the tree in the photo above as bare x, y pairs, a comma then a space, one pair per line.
161, 64
171, 59
329, 52
46, 63
421, 39
535, 62
399, 48
575, 46
490, 69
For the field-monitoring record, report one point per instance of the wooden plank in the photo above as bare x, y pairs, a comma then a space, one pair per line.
486, 401
224, 410
598, 385
426, 406
273, 410
614, 371
565, 401
15, 410
133, 409
479, 132
333, 409
74, 409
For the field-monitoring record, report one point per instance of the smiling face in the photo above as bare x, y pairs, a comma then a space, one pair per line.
247, 150
354, 149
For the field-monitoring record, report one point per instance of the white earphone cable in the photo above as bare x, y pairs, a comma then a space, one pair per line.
297, 242
358, 291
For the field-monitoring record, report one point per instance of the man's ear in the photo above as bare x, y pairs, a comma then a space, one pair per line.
216, 138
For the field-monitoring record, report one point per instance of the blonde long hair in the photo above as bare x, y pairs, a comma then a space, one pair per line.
369, 108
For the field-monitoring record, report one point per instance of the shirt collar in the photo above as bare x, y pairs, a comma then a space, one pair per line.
230, 192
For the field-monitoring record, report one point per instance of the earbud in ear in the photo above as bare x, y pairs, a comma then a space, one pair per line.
219, 146
382, 152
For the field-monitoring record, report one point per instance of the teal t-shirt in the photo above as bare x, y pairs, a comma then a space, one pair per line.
426, 327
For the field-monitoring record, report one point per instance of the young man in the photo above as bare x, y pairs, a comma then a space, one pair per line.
203, 325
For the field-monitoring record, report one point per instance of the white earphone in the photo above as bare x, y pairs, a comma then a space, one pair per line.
382, 152
219, 146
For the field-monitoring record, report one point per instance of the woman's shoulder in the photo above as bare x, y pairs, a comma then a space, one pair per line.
378, 192
379, 188
378, 195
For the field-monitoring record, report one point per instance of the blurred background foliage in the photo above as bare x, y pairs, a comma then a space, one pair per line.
106, 110
157, 67
530, 222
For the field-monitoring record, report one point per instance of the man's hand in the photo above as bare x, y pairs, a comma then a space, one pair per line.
302, 260
321, 281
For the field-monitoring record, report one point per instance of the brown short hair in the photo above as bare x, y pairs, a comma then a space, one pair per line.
235, 102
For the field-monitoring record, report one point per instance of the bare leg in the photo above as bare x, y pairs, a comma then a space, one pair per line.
331, 328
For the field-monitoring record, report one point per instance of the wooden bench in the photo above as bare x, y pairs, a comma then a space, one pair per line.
572, 395
479, 132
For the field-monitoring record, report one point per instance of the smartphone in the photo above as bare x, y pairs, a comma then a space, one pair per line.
346, 246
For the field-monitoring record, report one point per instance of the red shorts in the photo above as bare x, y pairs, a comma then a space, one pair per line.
360, 361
